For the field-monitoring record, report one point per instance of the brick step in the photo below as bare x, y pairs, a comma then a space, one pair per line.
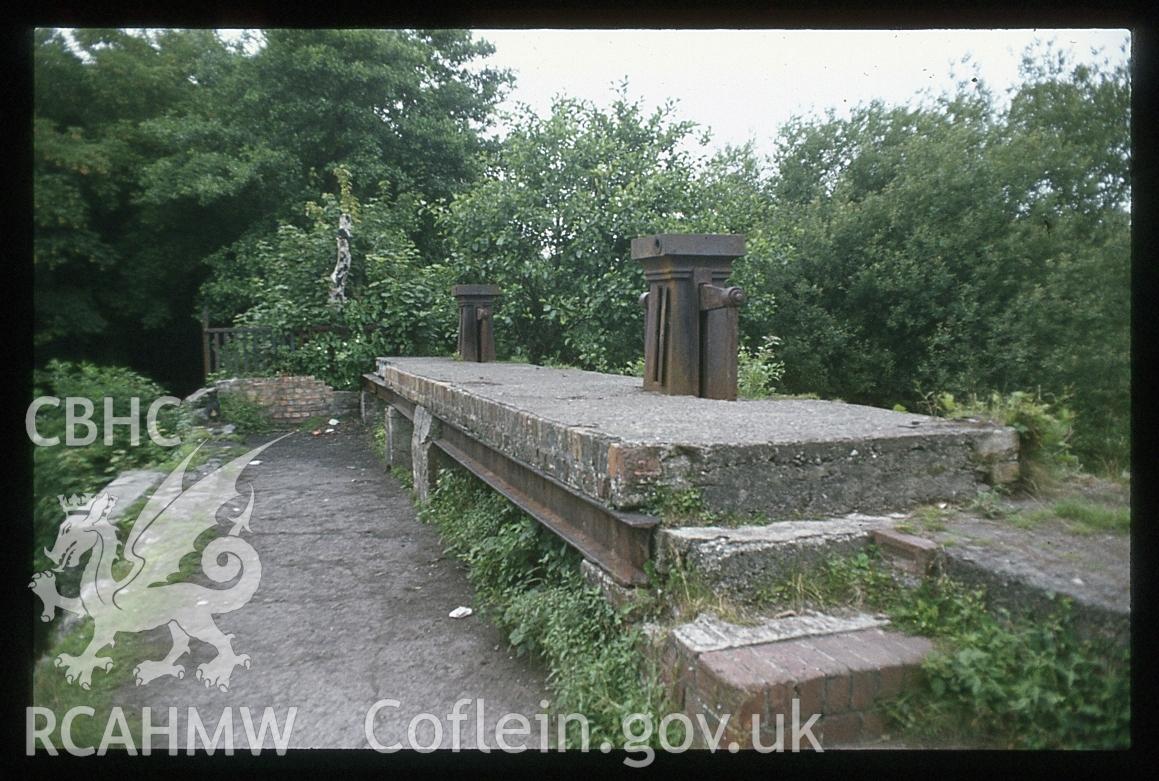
836, 668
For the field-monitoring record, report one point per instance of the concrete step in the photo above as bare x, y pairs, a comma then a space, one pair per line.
733, 559
787, 671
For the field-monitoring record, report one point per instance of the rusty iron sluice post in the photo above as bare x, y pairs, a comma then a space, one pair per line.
690, 329
476, 336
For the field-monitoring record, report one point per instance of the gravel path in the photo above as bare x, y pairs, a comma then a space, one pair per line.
352, 609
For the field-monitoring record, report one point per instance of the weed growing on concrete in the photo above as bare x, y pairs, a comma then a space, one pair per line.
931, 518
858, 581
989, 504
685, 507
378, 439
1028, 682
404, 476
685, 595
1090, 517
1044, 430
1080, 517
673, 505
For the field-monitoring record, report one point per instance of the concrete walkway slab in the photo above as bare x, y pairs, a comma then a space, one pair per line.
352, 609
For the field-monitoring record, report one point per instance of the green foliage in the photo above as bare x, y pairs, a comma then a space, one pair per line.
635, 368
969, 244
1044, 429
551, 225
759, 372
1026, 681
49, 687
404, 476
965, 247
51, 690
552, 222
685, 507
378, 440
157, 150
1082, 517
675, 505
247, 415
988, 504
528, 582
931, 517
94, 238
398, 304
65, 470
1095, 517
856, 581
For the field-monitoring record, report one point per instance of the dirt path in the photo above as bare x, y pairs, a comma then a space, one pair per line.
352, 609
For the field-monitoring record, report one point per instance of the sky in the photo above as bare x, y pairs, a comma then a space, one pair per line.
744, 84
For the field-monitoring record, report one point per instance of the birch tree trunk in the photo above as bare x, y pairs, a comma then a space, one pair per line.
342, 266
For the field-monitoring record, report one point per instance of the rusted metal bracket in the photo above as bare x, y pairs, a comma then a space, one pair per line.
713, 297
619, 542
476, 337
690, 330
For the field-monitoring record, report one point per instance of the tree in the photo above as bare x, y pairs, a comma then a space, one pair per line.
552, 221
105, 267
958, 247
158, 150
1066, 154
398, 304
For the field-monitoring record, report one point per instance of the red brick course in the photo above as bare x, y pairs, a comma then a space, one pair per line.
840, 676
913, 554
286, 398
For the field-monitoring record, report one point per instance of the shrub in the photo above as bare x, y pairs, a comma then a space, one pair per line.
65, 470
1044, 429
1030, 682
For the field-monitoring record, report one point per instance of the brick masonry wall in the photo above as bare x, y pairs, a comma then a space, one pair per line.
287, 398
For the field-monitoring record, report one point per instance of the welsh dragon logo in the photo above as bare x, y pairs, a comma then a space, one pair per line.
143, 598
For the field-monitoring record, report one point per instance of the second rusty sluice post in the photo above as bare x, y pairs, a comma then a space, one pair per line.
476, 337
690, 337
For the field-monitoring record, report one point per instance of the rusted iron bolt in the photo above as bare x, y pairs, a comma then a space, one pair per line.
713, 297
